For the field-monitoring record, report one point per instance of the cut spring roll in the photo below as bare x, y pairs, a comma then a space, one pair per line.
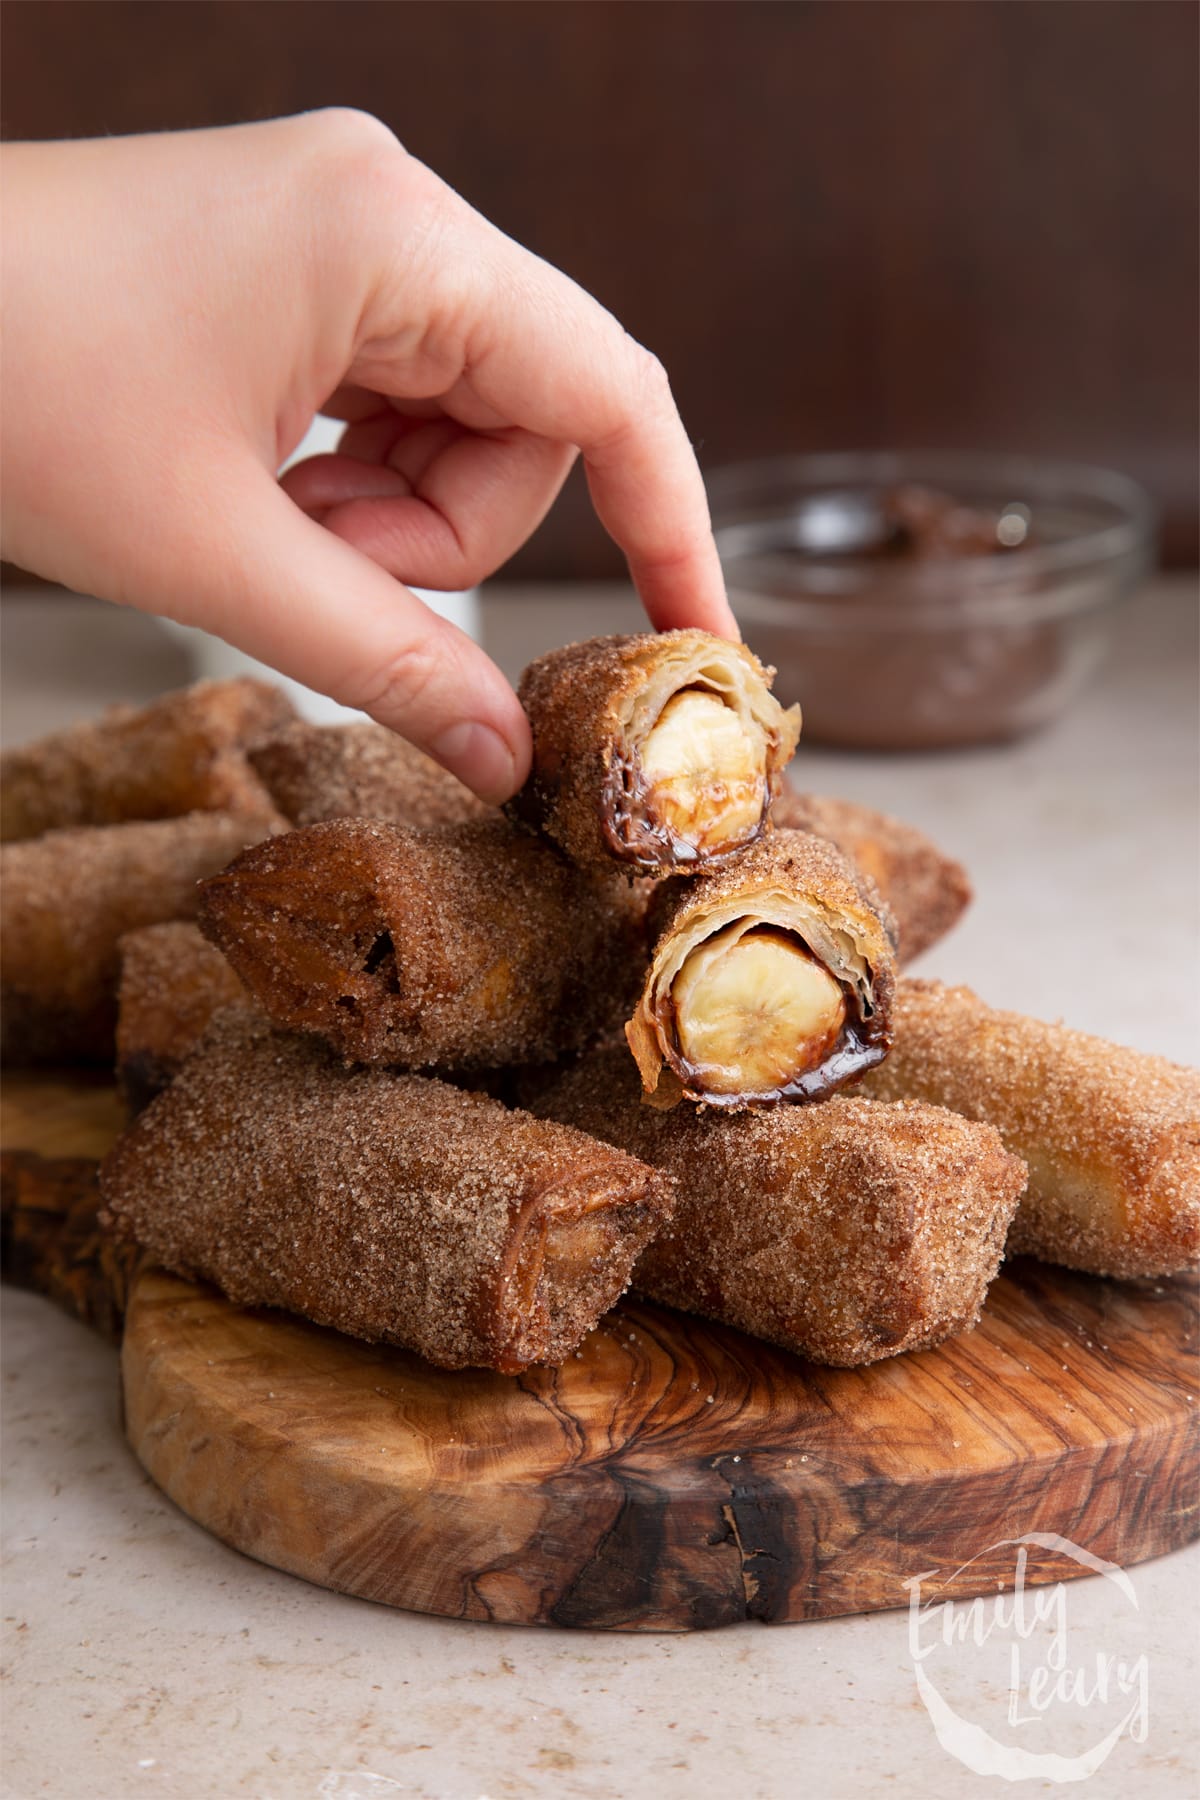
185, 753
468, 947
315, 772
392, 1207
846, 1232
66, 900
771, 979
926, 891
660, 752
173, 982
1111, 1136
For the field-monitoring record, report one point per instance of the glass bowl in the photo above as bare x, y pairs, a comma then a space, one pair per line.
915, 600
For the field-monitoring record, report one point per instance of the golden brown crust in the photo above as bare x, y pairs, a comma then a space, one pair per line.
1111, 1136
172, 983
391, 1207
315, 772
585, 789
847, 1232
463, 948
184, 753
926, 890
66, 899
786, 878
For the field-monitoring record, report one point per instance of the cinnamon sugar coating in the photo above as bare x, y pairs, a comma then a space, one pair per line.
391, 1207
926, 891
466, 947
1111, 1136
66, 900
799, 859
847, 1232
184, 753
586, 783
317, 772
172, 983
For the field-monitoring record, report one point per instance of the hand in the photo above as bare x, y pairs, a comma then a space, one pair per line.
177, 310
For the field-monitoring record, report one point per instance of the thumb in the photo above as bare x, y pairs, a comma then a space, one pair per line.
280, 587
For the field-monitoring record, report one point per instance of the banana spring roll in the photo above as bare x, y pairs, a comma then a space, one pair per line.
771, 979
392, 1207
467, 947
660, 752
315, 772
173, 982
1111, 1136
185, 753
846, 1232
926, 891
67, 899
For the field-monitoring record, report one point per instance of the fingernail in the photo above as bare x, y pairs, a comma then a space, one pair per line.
480, 757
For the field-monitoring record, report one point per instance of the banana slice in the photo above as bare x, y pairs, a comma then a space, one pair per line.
703, 767
753, 1009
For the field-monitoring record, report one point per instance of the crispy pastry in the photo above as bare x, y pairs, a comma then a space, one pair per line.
184, 753
67, 899
847, 1232
466, 947
1111, 1136
391, 1207
926, 891
172, 983
661, 752
315, 772
771, 979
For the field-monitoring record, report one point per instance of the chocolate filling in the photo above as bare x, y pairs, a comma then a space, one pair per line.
634, 834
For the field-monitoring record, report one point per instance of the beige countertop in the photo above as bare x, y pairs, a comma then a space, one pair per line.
142, 1657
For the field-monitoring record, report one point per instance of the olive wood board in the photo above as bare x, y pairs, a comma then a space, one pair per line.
673, 1474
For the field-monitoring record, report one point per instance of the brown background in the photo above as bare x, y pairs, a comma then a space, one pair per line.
967, 222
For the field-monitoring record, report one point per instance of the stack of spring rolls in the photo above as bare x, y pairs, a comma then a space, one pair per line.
106, 828
450, 1078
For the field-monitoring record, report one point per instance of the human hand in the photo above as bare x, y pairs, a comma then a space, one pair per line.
177, 309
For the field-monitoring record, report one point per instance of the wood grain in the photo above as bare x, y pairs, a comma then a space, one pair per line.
78, 1113
674, 1474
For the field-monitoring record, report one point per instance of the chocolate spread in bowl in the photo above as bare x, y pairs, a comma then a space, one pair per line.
924, 524
916, 684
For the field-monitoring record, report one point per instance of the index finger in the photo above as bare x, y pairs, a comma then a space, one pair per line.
524, 343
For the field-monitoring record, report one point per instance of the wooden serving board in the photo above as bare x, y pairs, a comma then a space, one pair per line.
674, 1474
